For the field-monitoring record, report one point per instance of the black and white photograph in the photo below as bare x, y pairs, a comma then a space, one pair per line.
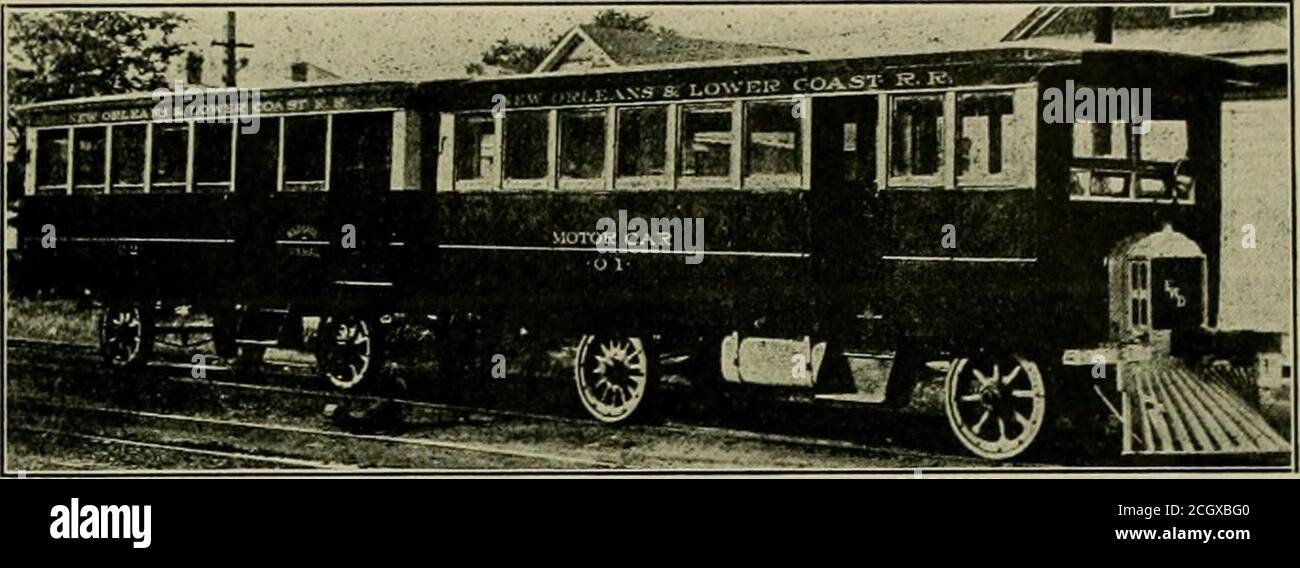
697, 239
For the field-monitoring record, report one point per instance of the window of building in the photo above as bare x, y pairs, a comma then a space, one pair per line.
526, 138
212, 154
170, 152
475, 148
916, 139
773, 144
706, 141
642, 144
128, 158
582, 144
52, 161
305, 150
88, 160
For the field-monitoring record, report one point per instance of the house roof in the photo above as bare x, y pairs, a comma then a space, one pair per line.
261, 72
316, 72
628, 48
1225, 31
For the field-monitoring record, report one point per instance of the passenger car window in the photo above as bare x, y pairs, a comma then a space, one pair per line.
212, 163
1164, 141
362, 152
88, 160
582, 143
1100, 140
475, 146
773, 142
993, 139
642, 141
128, 158
304, 152
526, 141
170, 151
706, 140
52, 161
916, 137
1120, 161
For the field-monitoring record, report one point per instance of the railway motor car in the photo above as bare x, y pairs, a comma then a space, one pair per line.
860, 218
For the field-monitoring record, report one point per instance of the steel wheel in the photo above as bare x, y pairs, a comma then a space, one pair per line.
613, 376
346, 355
996, 404
124, 336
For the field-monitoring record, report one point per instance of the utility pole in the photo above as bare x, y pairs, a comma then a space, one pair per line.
231, 45
1103, 24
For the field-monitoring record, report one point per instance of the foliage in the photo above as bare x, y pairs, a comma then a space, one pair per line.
66, 54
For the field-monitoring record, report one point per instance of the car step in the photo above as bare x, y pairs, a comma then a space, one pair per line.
853, 397
1170, 408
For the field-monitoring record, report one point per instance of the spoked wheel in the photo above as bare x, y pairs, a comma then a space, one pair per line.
614, 376
347, 353
996, 404
125, 336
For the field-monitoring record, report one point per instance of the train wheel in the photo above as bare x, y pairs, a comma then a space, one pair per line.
125, 335
347, 352
996, 405
614, 376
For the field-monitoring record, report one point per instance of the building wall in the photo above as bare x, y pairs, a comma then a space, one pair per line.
584, 56
1256, 283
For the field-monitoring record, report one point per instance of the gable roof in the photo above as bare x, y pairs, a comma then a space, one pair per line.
619, 47
1033, 24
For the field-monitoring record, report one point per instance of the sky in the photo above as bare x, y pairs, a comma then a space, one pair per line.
373, 43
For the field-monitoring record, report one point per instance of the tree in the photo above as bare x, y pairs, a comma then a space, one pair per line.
68, 54
65, 54
513, 57
622, 21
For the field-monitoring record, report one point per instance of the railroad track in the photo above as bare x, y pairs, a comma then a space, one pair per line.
469, 411
296, 463
300, 430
